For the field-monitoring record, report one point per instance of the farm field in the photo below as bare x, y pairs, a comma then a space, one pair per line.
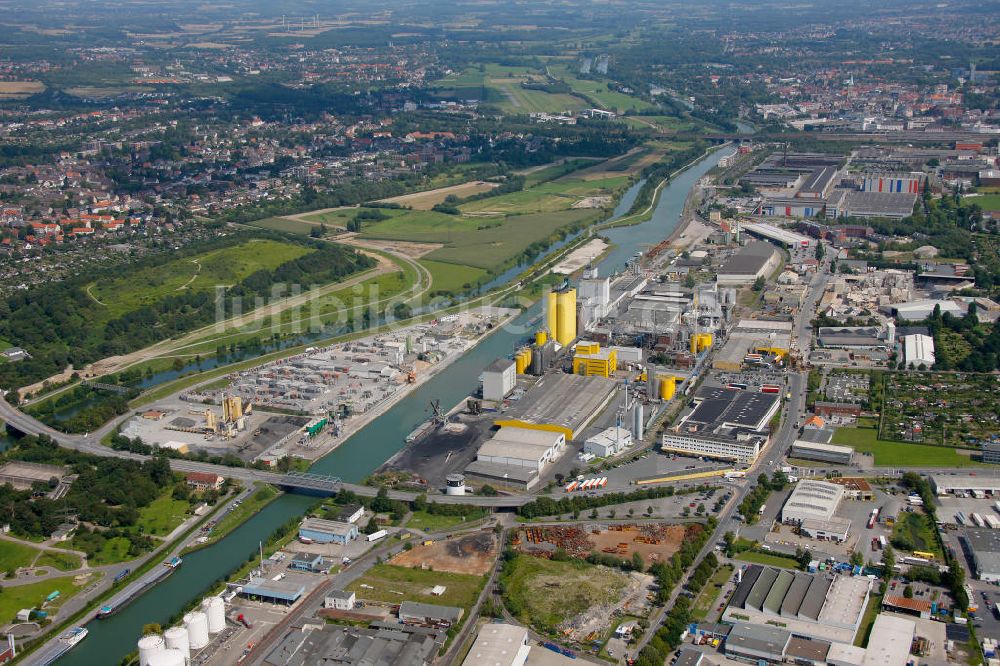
384, 581
20, 89
430, 198
200, 272
546, 593
451, 278
900, 454
33, 595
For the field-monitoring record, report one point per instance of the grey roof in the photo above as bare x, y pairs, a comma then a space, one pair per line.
816, 435
819, 180
795, 595
815, 597
761, 589
880, 204
758, 638
499, 365
772, 602
420, 610
750, 576
750, 260
339, 594
984, 544
351, 646
688, 657
327, 526
810, 650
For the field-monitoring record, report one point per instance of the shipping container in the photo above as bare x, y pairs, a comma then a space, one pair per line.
571, 486
978, 520
770, 388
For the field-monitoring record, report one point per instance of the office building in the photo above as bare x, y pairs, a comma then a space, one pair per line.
727, 424
831, 453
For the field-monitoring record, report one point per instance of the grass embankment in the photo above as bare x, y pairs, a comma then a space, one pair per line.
163, 515
33, 595
545, 593
236, 517
428, 522
15, 555
60, 561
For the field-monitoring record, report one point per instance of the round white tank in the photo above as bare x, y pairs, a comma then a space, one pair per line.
149, 646
197, 628
177, 639
215, 609
455, 484
167, 658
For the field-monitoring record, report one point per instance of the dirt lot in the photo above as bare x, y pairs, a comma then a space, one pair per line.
473, 554
430, 198
20, 89
655, 542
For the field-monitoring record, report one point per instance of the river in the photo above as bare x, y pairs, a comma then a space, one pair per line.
363, 452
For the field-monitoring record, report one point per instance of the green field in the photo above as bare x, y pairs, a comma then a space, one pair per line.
61, 561
340, 217
502, 85
112, 552
704, 605
986, 201
429, 522
15, 555
251, 505
768, 559
452, 278
162, 515
284, 225
485, 243
415, 585
916, 529
204, 271
598, 91
900, 454
14, 598
544, 593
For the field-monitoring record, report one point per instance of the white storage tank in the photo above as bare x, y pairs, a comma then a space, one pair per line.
167, 658
177, 639
196, 624
456, 484
149, 646
215, 609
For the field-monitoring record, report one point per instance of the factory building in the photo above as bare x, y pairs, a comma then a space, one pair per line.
285, 591
522, 447
428, 615
818, 606
499, 644
831, 453
890, 641
991, 453
918, 350
594, 297
561, 402
920, 310
757, 644
757, 259
728, 424
777, 235
818, 184
911, 183
592, 361
332, 645
983, 545
943, 485
499, 379
327, 531
609, 442
812, 500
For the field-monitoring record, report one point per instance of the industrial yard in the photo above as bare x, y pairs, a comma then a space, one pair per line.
472, 554
654, 542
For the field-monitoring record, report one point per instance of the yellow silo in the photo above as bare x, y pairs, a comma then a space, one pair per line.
566, 316
667, 387
527, 358
694, 343
519, 364
551, 314
704, 341
541, 338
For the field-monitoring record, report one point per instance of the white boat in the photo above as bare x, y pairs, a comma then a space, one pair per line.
74, 635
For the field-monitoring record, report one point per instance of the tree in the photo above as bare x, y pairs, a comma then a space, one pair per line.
908, 592
151, 628
803, 556
638, 563
888, 561
857, 559
758, 284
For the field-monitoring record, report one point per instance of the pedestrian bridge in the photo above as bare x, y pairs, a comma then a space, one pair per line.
307, 482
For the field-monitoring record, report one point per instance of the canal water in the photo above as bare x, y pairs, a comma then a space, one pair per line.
362, 453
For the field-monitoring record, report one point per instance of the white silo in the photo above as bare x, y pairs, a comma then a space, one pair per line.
177, 639
215, 609
148, 646
167, 658
197, 627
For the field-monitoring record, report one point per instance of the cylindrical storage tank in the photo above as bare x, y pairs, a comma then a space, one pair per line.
566, 315
168, 658
694, 343
540, 338
667, 387
527, 358
652, 384
537, 361
552, 314
215, 609
149, 646
639, 422
177, 639
196, 624
455, 484
518, 363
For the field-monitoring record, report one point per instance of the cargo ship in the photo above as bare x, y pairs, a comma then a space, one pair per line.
134, 589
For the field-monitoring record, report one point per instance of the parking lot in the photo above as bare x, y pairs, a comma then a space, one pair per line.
951, 506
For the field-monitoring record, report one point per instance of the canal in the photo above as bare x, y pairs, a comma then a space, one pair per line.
362, 453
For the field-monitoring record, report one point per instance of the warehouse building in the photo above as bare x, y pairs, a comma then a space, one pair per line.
831, 453
852, 337
890, 641
499, 644
810, 499
499, 379
286, 591
757, 644
782, 237
757, 259
522, 447
922, 309
835, 529
327, 531
727, 424
892, 205
918, 350
819, 606
944, 484
561, 402
593, 361
428, 615
334, 645
991, 453
983, 546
